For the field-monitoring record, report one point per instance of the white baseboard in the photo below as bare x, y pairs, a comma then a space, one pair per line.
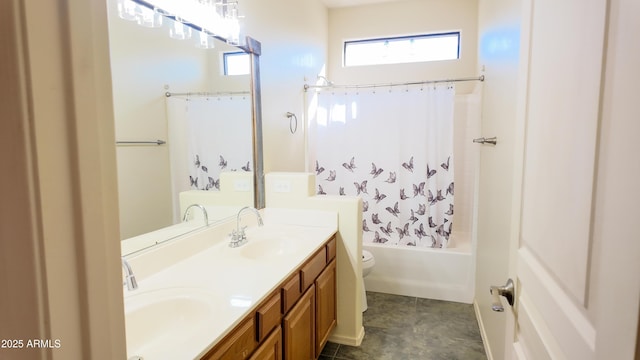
483, 334
347, 340
437, 291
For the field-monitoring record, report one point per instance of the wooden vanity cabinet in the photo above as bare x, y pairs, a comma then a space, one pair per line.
293, 322
326, 309
307, 326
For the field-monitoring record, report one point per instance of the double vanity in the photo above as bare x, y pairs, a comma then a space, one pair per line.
272, 297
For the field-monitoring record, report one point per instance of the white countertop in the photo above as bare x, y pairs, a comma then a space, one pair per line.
238, 278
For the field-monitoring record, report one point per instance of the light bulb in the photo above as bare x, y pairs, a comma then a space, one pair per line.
149, 18
180, 31
205, 41
127, 9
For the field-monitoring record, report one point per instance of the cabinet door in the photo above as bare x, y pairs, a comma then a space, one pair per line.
271, 349
325, 305
299, 329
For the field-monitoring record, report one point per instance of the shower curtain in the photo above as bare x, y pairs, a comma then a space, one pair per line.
208, 135
394, 148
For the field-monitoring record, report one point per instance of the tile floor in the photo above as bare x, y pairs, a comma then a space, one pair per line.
408, 328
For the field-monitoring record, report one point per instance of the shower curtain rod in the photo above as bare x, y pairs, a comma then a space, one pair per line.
141, 142
218, 93
331, 85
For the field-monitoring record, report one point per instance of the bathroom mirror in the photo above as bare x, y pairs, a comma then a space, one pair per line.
148, 63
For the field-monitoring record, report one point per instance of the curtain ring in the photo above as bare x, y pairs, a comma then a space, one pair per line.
293, 125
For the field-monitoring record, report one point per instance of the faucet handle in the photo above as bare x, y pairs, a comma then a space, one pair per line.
131, 282
237, 236
130, 279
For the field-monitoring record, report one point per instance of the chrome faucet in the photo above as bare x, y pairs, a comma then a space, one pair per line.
130, 278
238, 237
204, 212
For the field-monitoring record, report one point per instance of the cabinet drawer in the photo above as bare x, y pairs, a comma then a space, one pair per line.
291, 292
271, 349
312, 268
331, 249
268, 316
238, 345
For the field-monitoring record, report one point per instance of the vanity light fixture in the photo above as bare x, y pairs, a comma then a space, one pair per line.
212, 18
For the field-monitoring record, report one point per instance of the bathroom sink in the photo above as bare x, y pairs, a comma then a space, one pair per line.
269, 247
276, 242
268, 242
157, 319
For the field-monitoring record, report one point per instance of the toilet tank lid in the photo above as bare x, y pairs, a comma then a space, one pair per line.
366, 255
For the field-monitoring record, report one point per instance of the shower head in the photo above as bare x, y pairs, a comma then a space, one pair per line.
327, 81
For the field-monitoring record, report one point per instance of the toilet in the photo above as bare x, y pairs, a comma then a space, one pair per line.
367, 265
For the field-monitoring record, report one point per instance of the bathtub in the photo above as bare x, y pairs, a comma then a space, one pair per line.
442, 274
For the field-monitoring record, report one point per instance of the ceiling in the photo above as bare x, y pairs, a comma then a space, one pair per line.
344, 3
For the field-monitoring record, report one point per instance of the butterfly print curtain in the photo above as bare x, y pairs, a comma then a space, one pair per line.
208, 135
393, 148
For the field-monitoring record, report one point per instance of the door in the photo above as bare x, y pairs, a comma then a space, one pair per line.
573, 204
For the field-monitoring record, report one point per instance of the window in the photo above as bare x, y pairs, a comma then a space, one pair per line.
404, 49
236, 63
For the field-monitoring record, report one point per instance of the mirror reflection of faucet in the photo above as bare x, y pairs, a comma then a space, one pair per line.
185, 217
238, 237
129, 277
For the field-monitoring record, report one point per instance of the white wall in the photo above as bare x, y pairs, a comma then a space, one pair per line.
293, 34
498, 56
404, 18
466, 127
